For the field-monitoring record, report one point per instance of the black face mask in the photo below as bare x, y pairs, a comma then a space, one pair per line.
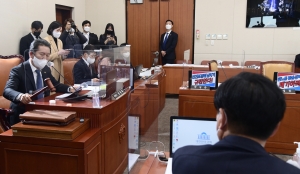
37, 33
110, 32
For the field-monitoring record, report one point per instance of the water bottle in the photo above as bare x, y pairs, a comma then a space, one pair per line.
96, 100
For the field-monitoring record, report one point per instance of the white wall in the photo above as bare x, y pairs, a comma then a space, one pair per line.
101, 12
17, 16
229, 17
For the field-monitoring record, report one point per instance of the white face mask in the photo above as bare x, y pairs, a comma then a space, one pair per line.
56, 34
87, 29
90, 60
39, 64
168, 27
126, 54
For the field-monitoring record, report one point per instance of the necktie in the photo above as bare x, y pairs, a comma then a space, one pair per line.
165, 41
39, 83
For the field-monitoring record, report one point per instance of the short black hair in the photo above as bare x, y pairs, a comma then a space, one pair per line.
54, 25
88, 49
37, 25
68, 20
86, 22
39, 42
253, 104
169, 21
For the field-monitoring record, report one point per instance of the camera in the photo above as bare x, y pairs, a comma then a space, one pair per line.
73, 25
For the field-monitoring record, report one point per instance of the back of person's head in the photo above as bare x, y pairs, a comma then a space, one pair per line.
88, 49
37, 25
253, 104
68, 20
86, 22
38, 42
54, 25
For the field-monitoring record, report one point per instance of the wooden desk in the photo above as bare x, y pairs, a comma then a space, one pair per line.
148, 102
177, 74
102, 149
199, 103
149, 166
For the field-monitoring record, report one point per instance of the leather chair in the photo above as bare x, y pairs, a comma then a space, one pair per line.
68, 65
250, 63
213, 65
204, 62
227, 63
6, 64
268, 68
181, 61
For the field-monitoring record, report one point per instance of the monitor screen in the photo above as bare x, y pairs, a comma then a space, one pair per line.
191, 131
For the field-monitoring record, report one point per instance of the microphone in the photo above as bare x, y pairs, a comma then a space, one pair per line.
223, 69
51, 64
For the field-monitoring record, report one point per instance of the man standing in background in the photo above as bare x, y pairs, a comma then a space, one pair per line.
36, 29
168, 44
92, 39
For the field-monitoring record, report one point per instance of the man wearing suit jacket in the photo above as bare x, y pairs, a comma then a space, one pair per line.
36, 29
28, 77
249, 108
91, 37
168, 42
84, 70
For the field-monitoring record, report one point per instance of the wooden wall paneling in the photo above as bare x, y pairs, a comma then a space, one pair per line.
154, 32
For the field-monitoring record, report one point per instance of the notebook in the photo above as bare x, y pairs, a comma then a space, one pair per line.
186, 131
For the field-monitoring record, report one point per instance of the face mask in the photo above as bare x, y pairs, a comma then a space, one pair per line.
87, 29
110, 32
126, 54
37, 33
39, 64
72, 30
90, 60
168, 27
56, 34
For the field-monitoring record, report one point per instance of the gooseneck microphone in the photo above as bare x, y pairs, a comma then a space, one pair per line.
51, 64
221, 63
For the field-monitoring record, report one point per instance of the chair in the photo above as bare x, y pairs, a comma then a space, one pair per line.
6, 64
204, 62
250, 63
268, 68
68, 65
213, 65
182, 61
227, 63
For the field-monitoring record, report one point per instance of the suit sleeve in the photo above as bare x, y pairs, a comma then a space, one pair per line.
82, 38
94, 39
63, 38
12, 85
116, 40
101, 40
173, 44
22, 46
78, 74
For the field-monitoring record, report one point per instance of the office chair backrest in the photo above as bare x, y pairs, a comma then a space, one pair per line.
68, 65
250, 63
213, 65
268, 68
227, 63
181, 62
204, 62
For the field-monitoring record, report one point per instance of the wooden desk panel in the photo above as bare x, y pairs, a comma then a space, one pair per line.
199, 103
175, 75
107, 155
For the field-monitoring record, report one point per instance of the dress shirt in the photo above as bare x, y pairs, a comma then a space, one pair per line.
87, 35
166, 34
33, 36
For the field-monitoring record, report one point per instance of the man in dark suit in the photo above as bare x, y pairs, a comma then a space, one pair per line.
84, 70
250, 108
91, 37
28, 77
168, 42
36, 29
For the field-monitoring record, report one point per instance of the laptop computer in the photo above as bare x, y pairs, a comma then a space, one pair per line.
186, 131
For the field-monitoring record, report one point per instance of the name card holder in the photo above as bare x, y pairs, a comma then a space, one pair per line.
289, 91
118, 94
200, 87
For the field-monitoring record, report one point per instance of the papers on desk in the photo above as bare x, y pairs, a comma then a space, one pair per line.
169, 166
63, 96
132, 158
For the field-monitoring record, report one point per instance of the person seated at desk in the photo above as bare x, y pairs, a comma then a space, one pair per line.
28, 77
83, 70
250, 108
105, 65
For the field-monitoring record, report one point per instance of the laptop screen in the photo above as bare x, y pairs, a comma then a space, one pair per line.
186, 131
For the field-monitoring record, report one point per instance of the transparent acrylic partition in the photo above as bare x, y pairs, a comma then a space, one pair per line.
146, 101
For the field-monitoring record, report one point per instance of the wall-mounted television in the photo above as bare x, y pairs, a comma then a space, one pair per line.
272, 13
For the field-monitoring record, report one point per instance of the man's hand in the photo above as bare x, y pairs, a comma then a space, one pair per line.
163, 53
95, 80
25, 98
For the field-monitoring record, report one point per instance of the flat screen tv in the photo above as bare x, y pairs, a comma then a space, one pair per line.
272, 13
